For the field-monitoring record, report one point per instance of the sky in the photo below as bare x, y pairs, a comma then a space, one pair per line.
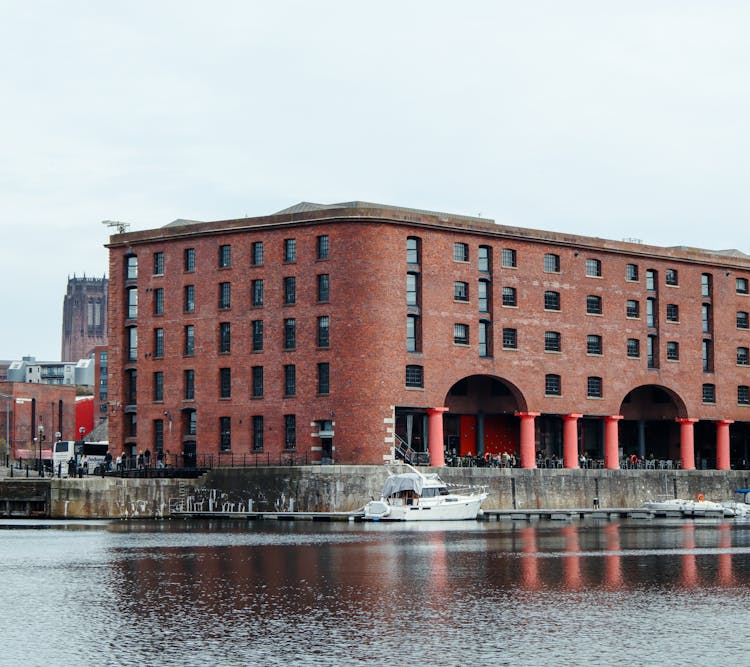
621, 120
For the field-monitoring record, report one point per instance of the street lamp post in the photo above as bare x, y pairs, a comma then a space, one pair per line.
41, 440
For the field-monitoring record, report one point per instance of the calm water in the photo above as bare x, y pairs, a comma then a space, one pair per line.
302, 593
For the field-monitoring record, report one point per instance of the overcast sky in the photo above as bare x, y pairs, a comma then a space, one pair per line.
611, 119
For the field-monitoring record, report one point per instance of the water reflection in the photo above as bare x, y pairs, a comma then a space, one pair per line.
309, 594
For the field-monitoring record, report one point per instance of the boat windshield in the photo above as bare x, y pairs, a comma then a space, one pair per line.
433, 492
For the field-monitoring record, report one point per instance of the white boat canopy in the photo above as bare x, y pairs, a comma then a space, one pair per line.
407, 481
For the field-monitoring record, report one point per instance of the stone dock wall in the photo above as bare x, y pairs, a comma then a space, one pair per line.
348, 488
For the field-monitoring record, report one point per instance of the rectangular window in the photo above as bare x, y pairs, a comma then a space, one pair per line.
593, 344
741, 285
593, 304
551, 263
225, 433
552, 385
323, 294
743, 357
225, 383
634, 348
673, 350
412, 289
706, 285
485, 338
225, 256
594, 387
593, 268
323, 331
415, 376
158, 343
257, 335
743, 395
707, 353
257, 378
324, 378
189, 384
651, 280
158, 263
257, 433
632, 308
290, 333
258, 253
189, 340
189, 259
509, 258
132, 295
158, 435
509, 296
670, 277
461, 252
290, 291
631, 272
323, 247
225, 295
510, 339
225, 337
483, 296
650, 312
413, 337
461, 334
552, 341
652, 352
159, 301
551, 300
743, 320
159, 386
257, 287
189, 299
290, 250
709, 393
484, 257
673, 312
290, 380
290, 431
706, 317
461, 291
412, 250
131, 267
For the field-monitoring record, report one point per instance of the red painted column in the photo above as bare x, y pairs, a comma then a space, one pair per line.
722, 444
435, 436
687, 443
528, 439
611, 442
570, 440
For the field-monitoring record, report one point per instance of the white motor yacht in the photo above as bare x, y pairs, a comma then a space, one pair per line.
415, 496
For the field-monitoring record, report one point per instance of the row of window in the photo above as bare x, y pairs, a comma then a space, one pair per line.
551, 264
323, 382
225, 256
322, 338
225, 432
257, 288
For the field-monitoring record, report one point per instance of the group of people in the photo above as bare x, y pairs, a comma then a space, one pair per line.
141, 461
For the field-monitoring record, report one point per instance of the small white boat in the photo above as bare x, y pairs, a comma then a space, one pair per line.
414, 496
740, 505
682, 506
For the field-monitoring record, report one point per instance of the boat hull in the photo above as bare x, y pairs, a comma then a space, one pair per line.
459, 509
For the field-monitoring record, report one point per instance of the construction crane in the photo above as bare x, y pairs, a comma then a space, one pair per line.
122, 227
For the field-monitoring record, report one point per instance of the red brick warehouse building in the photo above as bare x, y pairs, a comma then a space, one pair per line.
344, 332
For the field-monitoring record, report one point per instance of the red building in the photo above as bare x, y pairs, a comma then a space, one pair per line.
29, 411
340, 333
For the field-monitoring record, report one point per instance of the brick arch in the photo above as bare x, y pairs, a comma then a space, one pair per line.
653, 402
485, 393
